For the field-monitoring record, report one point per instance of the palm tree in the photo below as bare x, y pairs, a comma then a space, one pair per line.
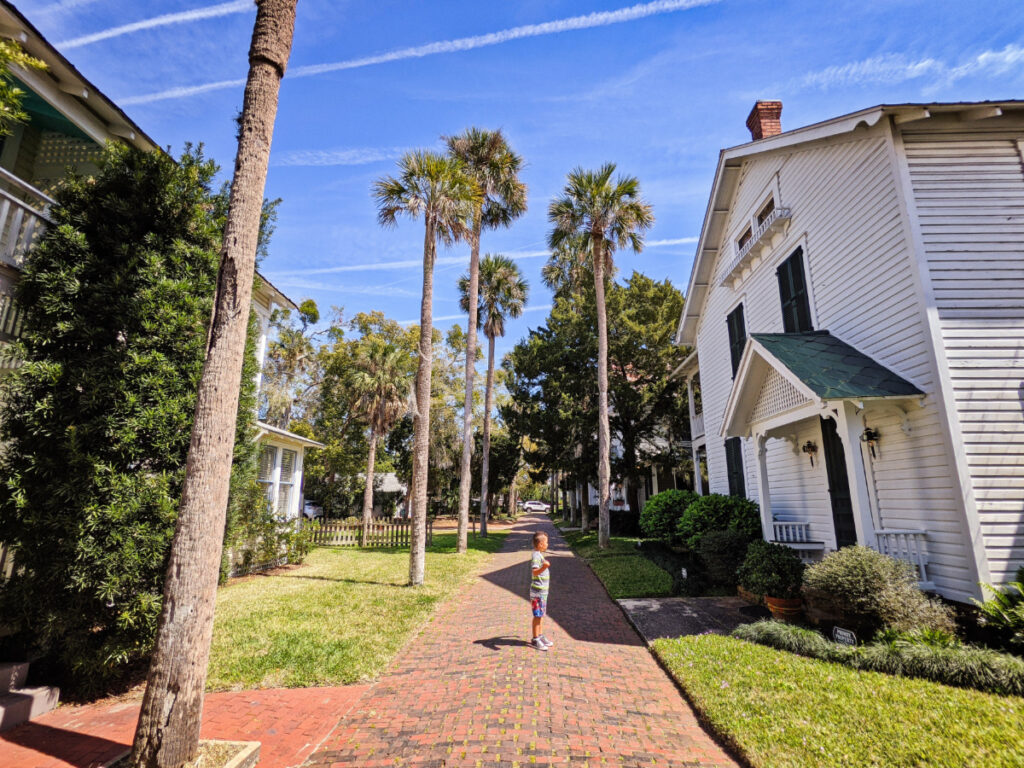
439, 188
381, 383
596, 215
167, 735
495, 167
502, 295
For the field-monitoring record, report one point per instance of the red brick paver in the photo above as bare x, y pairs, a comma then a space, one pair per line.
289, 723
469, 691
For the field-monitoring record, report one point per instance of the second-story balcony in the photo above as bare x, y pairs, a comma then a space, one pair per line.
23, 218
697, 426
762, 240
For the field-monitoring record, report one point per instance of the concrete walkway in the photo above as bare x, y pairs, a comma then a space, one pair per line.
470, 691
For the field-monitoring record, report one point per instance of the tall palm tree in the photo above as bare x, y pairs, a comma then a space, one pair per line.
502, 295
438, 188
598, 214
495, 167
167, 735
381, 383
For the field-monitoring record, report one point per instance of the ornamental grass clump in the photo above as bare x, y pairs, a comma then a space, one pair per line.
717, 512
876, 590
661, 513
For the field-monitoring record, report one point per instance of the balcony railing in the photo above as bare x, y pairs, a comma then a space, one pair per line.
697, 425
762, 236
906, 545
23, 218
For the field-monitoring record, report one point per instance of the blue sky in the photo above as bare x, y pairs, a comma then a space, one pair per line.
657, 88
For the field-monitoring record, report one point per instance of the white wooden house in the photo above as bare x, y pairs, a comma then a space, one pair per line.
69, 122
856, 311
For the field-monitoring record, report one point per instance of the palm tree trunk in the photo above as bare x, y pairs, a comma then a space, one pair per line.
371, 460
421, 419
486, 458
466, 471
603, 431
167, 735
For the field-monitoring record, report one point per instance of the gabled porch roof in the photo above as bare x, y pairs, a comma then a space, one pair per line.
785, 377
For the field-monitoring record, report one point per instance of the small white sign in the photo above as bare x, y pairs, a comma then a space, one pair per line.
843, 636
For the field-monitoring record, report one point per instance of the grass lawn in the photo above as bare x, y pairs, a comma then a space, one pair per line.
624, 571
338, 619
781, 711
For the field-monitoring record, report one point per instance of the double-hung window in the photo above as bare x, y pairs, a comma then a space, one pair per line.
737, 336
276, 475
734, 466
796, 305
265, 473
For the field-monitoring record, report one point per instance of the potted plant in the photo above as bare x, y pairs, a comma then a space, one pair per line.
775, 571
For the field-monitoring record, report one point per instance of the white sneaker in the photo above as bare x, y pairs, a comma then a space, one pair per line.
538, 643
544, 639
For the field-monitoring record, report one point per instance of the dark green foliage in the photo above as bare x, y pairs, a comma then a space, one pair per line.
773, 570
662, 512
721, 554
96, 423
879, 590
716, 512
932, 656
1003, 612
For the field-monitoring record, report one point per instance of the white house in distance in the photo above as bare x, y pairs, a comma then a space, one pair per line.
856, 310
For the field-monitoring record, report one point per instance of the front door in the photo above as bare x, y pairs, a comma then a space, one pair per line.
838, 485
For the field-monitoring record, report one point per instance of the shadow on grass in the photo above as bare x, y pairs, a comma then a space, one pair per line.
345, 581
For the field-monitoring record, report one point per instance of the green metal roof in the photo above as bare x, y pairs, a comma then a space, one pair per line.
832, 368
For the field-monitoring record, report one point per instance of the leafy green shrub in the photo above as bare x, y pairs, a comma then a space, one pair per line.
716, 512
721, 554
773, 570
661, 513
879, 590
905, 654
1004, 611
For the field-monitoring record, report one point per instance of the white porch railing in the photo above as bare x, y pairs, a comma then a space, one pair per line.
785, 532
774, 222
697, 425
23, 217
907, 545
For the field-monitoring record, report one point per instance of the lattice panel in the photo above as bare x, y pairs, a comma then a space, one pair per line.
57, 151
777, 395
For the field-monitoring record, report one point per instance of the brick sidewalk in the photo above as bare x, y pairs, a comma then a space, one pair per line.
469, 691
289, 723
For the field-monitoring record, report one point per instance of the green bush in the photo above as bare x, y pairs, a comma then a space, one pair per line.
773, 570
661, 513
934, 656
1004, 611
881, 591
719, 513
721, 554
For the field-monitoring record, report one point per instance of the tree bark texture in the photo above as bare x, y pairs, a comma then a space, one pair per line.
584, 492
466, 469
603, 431
421, 419
485, 459
167, 735
371, 461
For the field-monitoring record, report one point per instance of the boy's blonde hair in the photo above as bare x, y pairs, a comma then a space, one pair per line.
538, 536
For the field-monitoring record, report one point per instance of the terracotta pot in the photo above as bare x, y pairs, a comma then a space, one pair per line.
785, 608
750, 597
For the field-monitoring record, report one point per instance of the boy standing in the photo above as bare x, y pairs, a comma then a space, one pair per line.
539, 582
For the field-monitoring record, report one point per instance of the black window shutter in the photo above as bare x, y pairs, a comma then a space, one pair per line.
796, 306
734, 466
737, 336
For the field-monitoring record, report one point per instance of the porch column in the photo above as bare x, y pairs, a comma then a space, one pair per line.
849, 425
763, 493
698, 481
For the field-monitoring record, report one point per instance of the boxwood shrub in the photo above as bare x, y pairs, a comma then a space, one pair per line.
773, 570
717, 512
661, 513
721, 554
914, 654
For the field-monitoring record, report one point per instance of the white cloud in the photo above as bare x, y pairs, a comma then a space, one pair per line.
168, 19
329, 157
380, 266
588, 21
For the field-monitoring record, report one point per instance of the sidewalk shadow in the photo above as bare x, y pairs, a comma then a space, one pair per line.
80, 750
502, 641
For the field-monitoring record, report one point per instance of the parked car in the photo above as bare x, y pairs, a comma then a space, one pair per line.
536, 506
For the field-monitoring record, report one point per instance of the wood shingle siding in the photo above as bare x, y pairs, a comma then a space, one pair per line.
968, 189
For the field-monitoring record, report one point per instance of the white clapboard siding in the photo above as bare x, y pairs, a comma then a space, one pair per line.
969, 192
847, 215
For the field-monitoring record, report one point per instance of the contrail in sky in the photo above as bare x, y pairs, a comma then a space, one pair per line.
443, 318
196, 14
391, 265
588, 21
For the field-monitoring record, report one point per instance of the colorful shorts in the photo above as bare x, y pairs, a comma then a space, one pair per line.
539, 605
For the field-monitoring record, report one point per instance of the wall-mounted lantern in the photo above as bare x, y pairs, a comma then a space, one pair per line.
870, 437
810, 448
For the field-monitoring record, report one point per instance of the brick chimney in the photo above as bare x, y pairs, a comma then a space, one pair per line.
765, 119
